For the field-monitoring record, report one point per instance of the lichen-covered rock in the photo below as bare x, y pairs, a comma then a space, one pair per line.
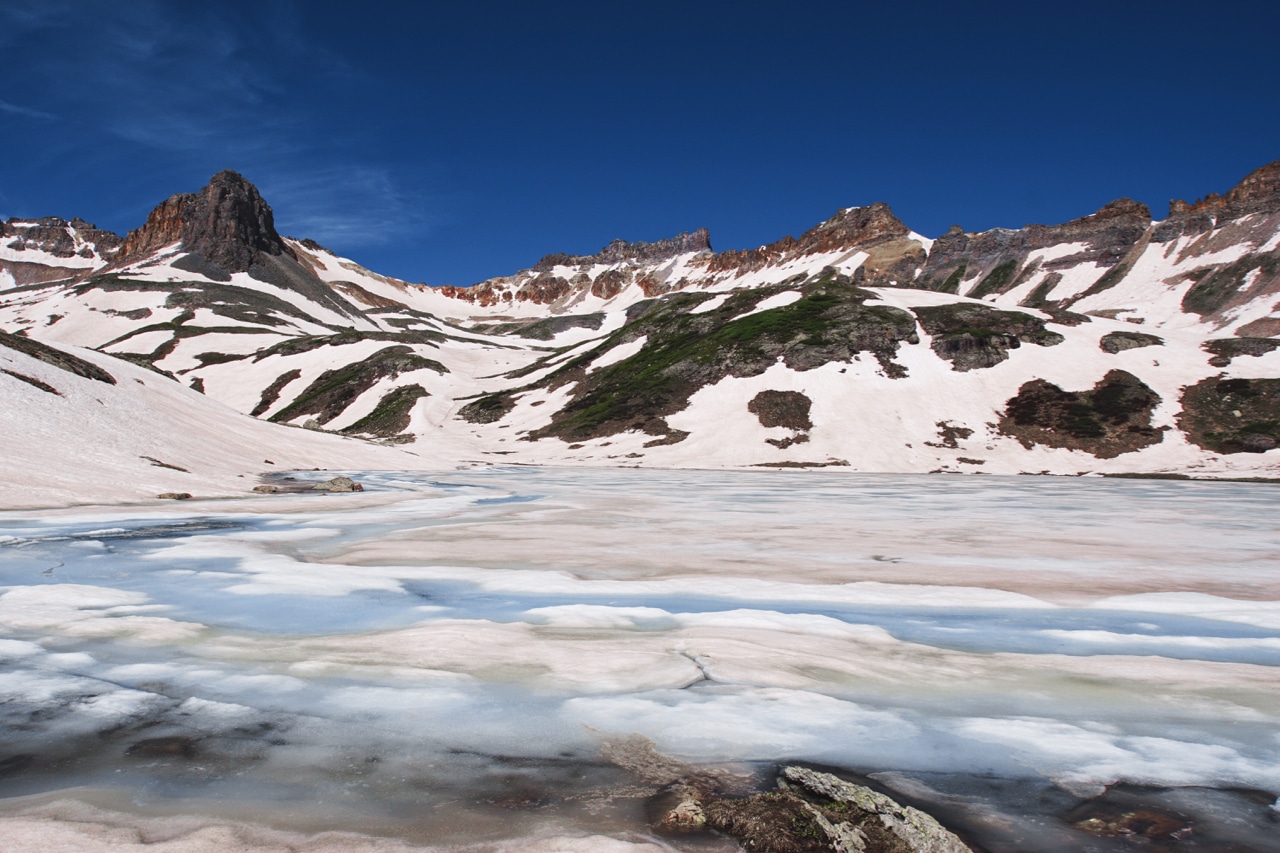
680, 811
339, 484
906, 829
814, 811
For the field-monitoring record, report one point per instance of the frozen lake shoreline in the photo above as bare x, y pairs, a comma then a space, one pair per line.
448, 650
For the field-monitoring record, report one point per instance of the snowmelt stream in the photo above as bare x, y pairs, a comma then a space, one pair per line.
438, 658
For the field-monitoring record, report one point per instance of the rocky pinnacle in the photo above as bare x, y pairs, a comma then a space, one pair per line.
227, 223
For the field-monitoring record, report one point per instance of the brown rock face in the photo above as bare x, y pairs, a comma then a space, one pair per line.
855, 226
640, 252
1258, 192
227, 223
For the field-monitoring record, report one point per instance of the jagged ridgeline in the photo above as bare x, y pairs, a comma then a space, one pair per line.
1111, 343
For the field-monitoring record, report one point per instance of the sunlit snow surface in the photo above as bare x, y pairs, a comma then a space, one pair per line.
439, 658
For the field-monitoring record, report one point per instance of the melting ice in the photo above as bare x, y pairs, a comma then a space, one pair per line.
438, 658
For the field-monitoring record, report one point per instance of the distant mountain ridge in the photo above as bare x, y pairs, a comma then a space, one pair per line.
1109, 343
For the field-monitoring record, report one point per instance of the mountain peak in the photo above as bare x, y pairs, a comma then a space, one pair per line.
622, 250
1257, 191
226, 223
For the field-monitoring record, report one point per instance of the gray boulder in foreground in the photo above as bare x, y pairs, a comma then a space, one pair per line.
339, 484
814, 811
901, 828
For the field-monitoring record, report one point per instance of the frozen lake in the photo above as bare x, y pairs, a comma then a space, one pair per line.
442, 659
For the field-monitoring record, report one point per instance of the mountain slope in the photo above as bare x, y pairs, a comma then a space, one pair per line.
1110, 343
83, 427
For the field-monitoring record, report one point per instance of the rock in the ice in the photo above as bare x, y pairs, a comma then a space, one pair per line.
814, 811
339, 484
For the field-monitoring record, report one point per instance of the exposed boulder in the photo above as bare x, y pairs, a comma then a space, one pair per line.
814, 811
338, 484
786, 409
1114, 342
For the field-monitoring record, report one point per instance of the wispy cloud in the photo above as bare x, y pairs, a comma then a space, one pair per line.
181, 87
19, 110
345, 206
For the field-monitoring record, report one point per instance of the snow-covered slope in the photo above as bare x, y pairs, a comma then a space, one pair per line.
1111, 343
83, 427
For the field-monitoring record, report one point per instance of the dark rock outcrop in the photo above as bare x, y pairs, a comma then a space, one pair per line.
996, 261
788, 409
1232, 415
1114, 342
1112, 418
58, 237
56, 357
227, 224
1224, 350
332, 391
972, 336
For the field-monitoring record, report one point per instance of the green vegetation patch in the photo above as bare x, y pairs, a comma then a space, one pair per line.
272, 392
1108, 280
1112, 418
1214, 289
488, 409
1232, 415
996, 281
330, 394
391, 417
1039, 296
831, 321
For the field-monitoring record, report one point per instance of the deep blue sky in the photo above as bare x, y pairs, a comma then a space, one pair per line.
449, 142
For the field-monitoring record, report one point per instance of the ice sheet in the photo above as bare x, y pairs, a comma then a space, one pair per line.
435, 629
